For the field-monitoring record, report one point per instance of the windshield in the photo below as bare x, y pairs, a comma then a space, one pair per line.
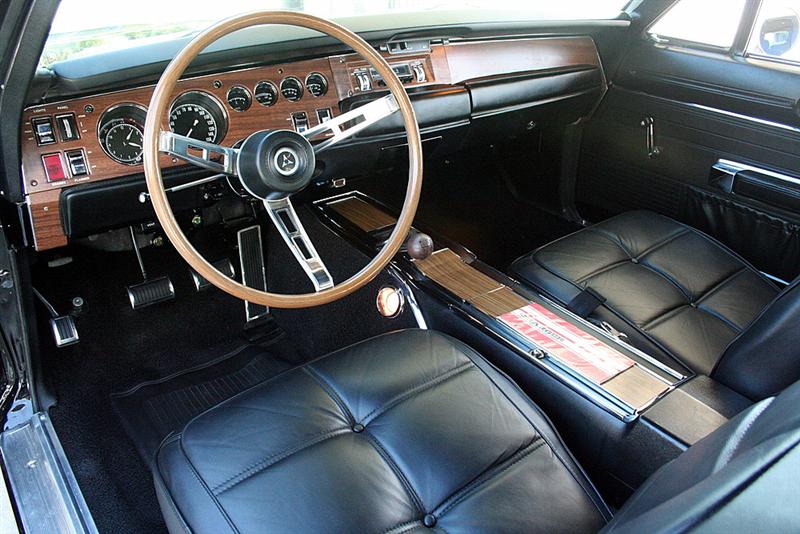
85, 27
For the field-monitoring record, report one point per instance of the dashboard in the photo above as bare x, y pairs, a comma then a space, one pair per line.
95, 138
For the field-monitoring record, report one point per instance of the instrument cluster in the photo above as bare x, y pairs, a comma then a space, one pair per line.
198, 114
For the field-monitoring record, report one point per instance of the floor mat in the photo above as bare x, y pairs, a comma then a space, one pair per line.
152, 410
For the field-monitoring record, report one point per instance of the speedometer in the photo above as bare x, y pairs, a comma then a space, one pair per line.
198, 115
195, 121
120, 133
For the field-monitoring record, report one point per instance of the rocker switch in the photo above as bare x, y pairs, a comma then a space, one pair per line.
77, 163
419, 73
300, 121
364, 80
43, 130
67, 127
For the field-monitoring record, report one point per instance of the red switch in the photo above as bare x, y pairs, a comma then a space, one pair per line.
54, 167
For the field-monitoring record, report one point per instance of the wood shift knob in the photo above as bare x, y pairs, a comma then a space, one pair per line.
419, 245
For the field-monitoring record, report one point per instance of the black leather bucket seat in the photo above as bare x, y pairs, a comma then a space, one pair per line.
416, 432
679, 295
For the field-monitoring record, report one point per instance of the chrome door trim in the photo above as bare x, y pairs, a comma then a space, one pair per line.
732, 168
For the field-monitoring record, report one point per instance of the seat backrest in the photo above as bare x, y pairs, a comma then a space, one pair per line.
765, 358
744, 477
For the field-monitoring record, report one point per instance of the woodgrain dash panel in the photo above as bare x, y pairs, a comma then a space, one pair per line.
635, 386
88, 111
363, 214
473, 60
499, 302
447, 269
45, 210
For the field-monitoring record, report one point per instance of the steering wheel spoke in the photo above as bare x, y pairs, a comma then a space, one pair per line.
354, 121
285, 219
217, 158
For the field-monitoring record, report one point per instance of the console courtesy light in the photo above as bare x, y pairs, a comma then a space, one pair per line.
390, 302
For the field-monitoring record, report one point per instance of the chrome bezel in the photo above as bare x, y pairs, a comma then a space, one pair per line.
277, 93
100, 124
221, 131
325, 83
247, 92
299, 82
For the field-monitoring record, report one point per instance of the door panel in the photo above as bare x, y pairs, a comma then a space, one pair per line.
704, 107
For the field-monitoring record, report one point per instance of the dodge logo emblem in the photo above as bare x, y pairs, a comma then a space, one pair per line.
286, 161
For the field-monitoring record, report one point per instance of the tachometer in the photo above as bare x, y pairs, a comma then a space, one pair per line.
198, 115
120, 133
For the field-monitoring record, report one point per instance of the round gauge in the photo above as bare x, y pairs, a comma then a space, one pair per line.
292, 89
317, 84
198, 115
239, 98
120, 131
266, 93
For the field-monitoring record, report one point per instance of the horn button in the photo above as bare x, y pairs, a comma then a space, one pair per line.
273, 164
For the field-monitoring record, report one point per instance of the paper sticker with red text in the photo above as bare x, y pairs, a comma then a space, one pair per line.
578, 349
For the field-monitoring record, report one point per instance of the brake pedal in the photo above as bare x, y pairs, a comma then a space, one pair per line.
225, 266
63, 327
149, 291
251, 260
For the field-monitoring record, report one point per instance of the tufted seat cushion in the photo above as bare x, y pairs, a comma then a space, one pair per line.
679, 294
401, 433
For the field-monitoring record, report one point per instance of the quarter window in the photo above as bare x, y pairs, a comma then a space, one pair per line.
776, 34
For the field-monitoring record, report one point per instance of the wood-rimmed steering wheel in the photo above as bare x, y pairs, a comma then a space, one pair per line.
271, 165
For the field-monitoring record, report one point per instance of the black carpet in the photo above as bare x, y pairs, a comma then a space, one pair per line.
120, 348
153, 410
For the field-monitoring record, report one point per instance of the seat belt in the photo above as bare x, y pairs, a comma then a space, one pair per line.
586, 302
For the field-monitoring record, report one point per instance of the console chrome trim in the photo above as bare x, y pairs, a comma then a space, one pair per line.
408, 293
582, 386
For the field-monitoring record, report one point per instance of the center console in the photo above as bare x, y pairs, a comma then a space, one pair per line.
624, 412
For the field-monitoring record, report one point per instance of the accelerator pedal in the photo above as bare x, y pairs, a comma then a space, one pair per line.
225, 266
251, 258
151, 290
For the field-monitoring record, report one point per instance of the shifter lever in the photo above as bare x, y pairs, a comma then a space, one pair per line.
419, 246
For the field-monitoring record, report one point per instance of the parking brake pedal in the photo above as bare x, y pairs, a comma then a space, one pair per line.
151, 290
251, 257
65, 332
224, 266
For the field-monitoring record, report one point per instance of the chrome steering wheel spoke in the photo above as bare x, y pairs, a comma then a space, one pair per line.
352, 122
294, 234
217, 158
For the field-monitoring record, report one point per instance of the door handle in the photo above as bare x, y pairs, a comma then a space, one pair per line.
648, 123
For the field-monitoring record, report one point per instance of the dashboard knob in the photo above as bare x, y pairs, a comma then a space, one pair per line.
419, 245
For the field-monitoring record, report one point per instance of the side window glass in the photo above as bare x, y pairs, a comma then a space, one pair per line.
705, 22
